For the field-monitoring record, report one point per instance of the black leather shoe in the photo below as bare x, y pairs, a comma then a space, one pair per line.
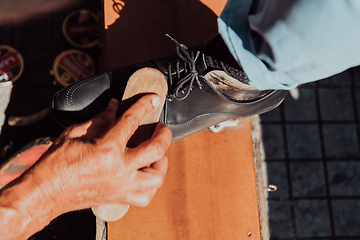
206, 87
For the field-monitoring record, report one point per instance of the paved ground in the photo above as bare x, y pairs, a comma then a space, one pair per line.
311, 144
312, 154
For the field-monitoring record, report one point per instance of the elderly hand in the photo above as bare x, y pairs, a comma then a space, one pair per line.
90, 165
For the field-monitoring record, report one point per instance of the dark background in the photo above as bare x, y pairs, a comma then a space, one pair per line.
39, 39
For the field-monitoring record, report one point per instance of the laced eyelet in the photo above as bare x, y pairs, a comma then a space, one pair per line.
169, 98
189, 68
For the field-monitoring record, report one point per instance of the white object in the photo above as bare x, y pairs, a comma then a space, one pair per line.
218, 127
5, 93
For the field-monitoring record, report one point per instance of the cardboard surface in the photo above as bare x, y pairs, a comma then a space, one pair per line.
209, 192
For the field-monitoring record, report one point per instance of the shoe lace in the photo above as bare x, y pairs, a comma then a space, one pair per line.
190, 78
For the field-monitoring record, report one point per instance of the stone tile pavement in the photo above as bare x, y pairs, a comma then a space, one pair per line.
312, 154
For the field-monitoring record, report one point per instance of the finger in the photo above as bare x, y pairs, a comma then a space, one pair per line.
141, 182
102, 122
130, 120
141, 199
151, 150
81, 130
160, 166
151, 177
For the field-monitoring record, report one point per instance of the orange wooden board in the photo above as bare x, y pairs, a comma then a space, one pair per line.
209, 192
210, 188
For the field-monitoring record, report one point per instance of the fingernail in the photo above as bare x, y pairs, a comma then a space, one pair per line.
112, 104
156, 101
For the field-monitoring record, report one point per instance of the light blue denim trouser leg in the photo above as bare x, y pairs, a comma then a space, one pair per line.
283, 43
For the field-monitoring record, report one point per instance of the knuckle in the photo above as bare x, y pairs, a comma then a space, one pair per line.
158, 181
144, 201
109, 152
100, 124
102, 119
130, 121
130, 118
167, 130
68, 131
144, 101
70, 128
158, 150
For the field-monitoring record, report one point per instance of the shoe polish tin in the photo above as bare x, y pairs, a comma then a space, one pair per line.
82, 29
71, 66
11, 64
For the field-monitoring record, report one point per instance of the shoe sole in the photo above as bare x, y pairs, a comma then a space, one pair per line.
141, 82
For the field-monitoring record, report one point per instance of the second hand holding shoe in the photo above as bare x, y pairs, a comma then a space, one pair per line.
206, 87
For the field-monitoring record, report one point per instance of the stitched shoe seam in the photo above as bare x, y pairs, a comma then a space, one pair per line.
72, 90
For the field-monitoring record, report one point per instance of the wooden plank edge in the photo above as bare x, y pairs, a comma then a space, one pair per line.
260, 173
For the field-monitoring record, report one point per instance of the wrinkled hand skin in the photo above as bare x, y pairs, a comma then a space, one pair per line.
88, 165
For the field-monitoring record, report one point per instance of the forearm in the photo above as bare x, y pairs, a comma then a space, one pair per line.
25, 208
